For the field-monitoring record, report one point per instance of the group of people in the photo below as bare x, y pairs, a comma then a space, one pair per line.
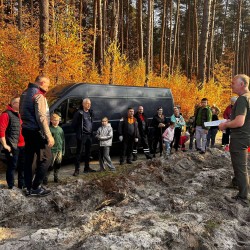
31, 137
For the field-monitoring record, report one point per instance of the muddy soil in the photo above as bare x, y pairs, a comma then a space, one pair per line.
174, 203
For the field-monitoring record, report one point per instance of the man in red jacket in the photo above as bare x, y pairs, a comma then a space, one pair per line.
12, 141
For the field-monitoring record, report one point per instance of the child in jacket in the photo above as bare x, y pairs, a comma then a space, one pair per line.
168, 137
105, 136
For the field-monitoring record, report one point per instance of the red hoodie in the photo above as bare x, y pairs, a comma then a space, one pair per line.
4, 122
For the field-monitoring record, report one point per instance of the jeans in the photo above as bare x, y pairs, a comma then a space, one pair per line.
201, 138
168, 147
105, 158
35, 144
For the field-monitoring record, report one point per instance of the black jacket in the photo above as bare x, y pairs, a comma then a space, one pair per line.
142, 125
13, 130
155, 122
123, 127
78, 123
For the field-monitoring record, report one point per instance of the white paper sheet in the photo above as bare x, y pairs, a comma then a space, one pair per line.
214, 123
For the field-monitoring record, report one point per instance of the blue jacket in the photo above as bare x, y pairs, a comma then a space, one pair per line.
27, 108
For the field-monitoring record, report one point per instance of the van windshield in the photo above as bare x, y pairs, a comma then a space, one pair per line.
51, 100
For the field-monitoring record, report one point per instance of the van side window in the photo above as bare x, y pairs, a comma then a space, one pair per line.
74, 105
61, 111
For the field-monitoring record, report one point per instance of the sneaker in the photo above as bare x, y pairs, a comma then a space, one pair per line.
237, 199
76, 173
198, 149
88, 170
39, 192
112, 169
26, 192
202, 152
129, 162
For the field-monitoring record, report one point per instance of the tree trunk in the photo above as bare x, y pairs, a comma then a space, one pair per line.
211, 42
175, 36
121, 30
140, 29
204, 42
80, 19
152, 38
149, 42
104, 30
94, 32
237, 40
223, 32
163, 31
44, 32
53, 28
170, 35
115, 21
127, 27
20, 15
188, 32
1, 13
195, 40
99, 37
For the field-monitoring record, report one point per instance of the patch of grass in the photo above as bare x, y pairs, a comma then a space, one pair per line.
211, 225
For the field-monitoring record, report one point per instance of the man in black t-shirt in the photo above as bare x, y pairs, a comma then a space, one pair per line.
82, 124
240, 137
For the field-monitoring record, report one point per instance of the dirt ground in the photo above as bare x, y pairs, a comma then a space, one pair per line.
176, 203
68, 168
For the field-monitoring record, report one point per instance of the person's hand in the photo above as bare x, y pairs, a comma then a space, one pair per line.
51, 141
7, 147
161, 125
120, 138
223, 126
136, 139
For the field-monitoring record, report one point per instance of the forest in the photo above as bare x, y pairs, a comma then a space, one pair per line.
193, 47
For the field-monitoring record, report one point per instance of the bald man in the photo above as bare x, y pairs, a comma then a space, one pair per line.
240, 137
34, 112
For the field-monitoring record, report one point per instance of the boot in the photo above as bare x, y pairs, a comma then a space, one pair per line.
76, 173
56, 180
148, 156
134, 157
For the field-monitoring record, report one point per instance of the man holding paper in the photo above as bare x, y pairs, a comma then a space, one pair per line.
240, 137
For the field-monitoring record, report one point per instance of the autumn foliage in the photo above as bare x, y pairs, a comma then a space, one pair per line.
70, 61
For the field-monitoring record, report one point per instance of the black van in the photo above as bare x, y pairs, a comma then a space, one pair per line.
106, 100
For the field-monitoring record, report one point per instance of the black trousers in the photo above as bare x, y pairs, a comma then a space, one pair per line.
177, 135
144, 143
15, 160
158, 138
127, 148
35, 144
225, 137
83, 145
